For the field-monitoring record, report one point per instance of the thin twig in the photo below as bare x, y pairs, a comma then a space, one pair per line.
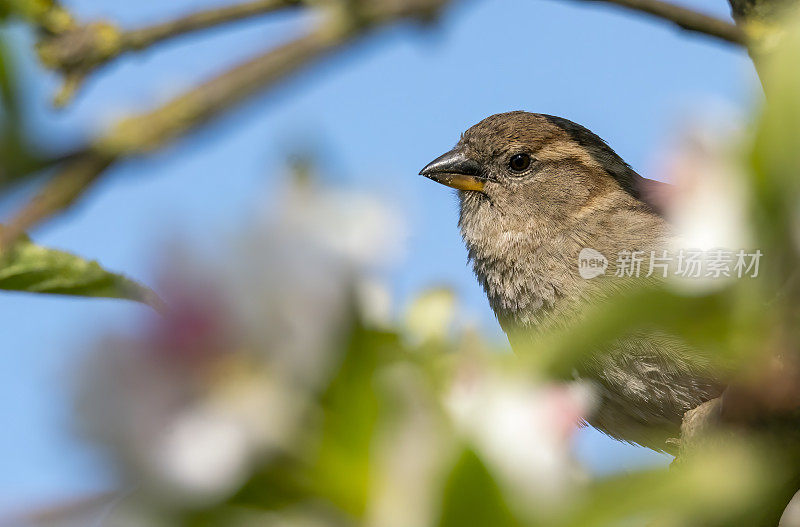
156, 128
147, 36
685, 18
83, 48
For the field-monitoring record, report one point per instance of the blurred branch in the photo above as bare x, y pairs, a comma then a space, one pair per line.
698, 424
59, 193
179, 116
768, 396
764, 408
759, 10
76, 510
763, 21
47, 15
80, 49
685, 18
144, 37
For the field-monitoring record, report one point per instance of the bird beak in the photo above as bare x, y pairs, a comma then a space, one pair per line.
456, 170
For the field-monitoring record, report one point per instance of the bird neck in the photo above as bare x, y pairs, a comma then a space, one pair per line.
524, 269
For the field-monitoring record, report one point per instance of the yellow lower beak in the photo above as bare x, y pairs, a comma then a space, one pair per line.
456, 170
459, 181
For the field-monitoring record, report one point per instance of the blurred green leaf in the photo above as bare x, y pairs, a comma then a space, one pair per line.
35, 269
280, 483
775, 165
351, 406
473, 497
723, 484
430, 316
722, 327
7, 83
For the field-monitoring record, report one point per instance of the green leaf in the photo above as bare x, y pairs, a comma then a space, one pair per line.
724, 483
718, 329
35, 269
473, 497
431, 314
352, 410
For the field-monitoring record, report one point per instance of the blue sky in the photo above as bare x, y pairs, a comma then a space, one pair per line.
374, 116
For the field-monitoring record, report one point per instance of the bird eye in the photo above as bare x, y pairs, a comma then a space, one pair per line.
519, 162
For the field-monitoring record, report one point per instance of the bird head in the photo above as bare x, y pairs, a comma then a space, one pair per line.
531, 166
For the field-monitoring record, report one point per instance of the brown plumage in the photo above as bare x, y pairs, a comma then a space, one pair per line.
536, 189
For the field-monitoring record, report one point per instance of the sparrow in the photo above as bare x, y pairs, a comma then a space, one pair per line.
534, 190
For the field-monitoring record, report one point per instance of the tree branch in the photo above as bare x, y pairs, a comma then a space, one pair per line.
764, 22
685, 18
760, 10
186, 112
48, 16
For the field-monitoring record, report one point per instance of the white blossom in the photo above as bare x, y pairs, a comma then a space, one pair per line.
228, 377
523, 429
708, 204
